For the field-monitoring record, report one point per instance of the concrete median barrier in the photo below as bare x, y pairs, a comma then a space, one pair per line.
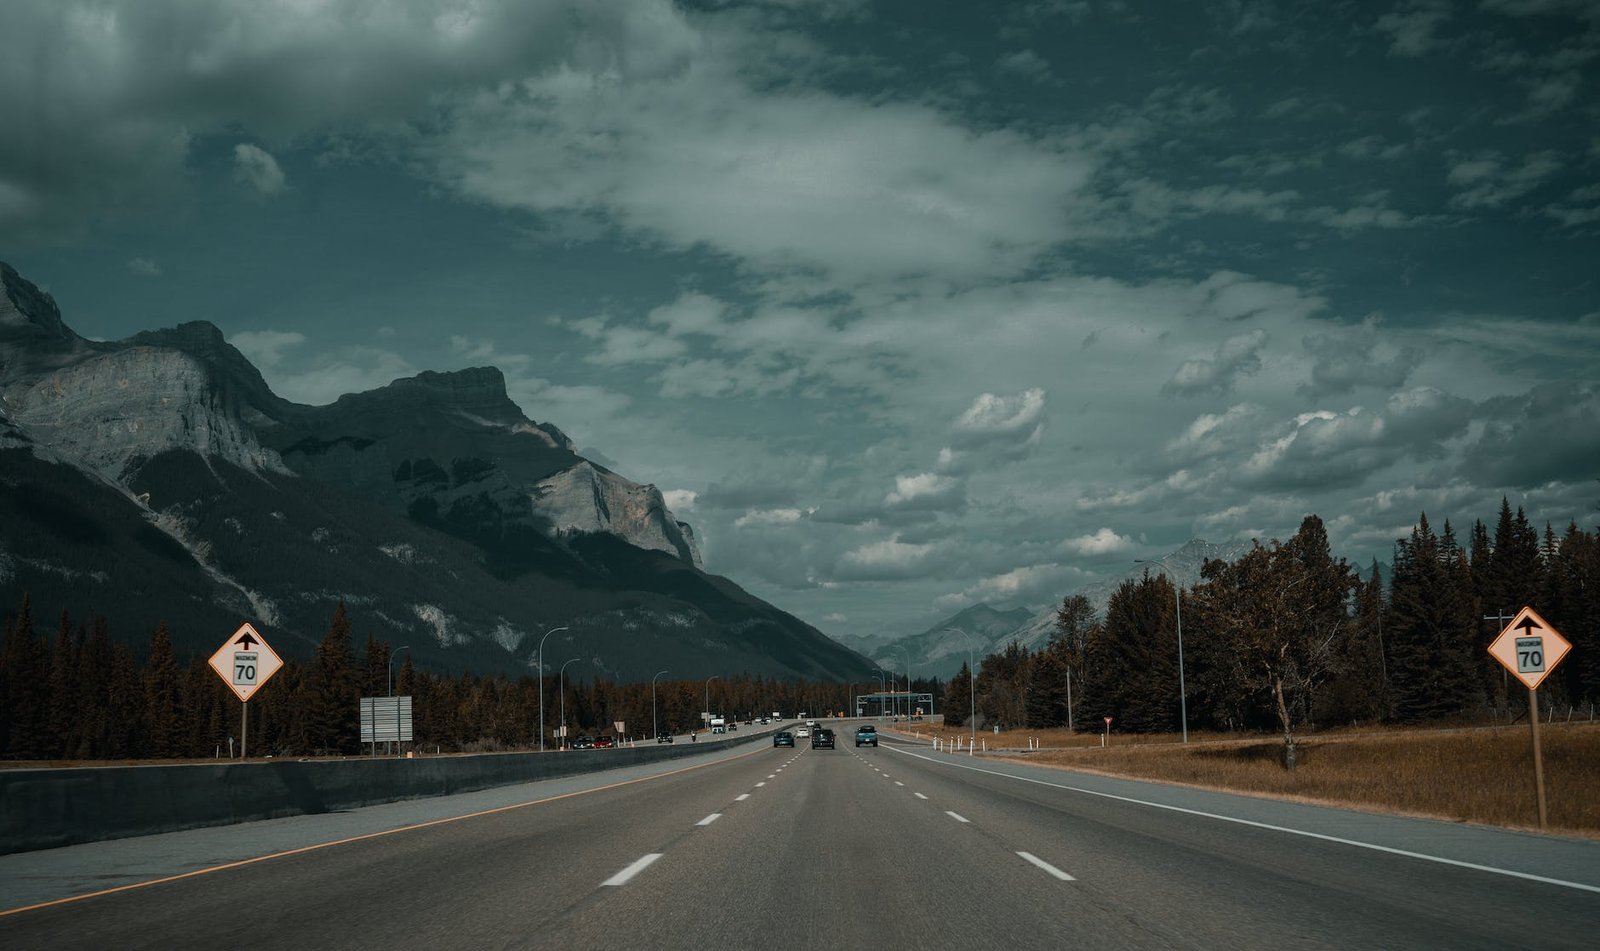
48, 808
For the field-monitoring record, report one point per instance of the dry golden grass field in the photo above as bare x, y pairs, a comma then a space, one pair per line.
1482, 775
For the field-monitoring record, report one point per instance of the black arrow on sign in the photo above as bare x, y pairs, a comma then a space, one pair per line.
1528, 624
246, 641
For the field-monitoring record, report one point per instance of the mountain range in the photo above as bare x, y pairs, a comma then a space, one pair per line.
980, 630
159, 479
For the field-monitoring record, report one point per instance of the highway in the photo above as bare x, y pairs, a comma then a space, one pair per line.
896, 846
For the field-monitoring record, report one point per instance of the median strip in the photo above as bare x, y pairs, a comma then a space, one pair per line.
639, 865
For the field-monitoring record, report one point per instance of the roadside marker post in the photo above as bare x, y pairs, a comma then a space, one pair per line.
245, 663
1529, 648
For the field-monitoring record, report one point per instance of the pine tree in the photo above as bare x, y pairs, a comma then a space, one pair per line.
59, 737
956, 698
1429, 630
333, 707
163, 730
1047, 689
24, 670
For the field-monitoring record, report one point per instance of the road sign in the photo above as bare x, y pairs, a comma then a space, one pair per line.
245, 662
1529, 648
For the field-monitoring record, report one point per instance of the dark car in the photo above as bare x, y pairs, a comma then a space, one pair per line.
866, 735
663, 737
822, 739
583, 743
783, 738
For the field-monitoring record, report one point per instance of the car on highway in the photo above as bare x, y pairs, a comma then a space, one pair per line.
604, 743
802, 732
583, 743
663, 737
783, 738
822, 739
866, 735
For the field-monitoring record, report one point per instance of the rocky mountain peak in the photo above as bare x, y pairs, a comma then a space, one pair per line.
23, 306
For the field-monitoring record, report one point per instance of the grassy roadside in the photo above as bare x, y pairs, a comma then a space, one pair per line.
1482, 775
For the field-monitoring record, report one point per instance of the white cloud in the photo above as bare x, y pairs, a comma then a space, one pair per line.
144, 267
1102, 542
992, 417
768, 517
265, 348
887, 559
1217, 374
924, 488
863, 191
680, 500
1412, 29
255, 167
1487, 181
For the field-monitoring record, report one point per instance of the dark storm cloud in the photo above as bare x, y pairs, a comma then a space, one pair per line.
1549, 434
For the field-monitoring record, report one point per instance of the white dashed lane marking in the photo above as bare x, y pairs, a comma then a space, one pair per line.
741, 797
709, 819
1029, 856
919, 795
622, 877
956, 816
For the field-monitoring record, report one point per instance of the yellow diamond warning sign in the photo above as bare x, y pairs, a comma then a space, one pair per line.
245, 662
1529, 647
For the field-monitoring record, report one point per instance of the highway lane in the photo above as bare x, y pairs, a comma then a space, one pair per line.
831, 849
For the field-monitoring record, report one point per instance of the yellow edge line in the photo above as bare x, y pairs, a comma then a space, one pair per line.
370, 835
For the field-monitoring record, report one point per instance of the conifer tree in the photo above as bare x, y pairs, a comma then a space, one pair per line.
956, 698
62, 721
333, 707
163, 732
1047, 689
24, 670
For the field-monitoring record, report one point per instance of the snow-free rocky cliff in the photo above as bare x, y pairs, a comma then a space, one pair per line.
160, 478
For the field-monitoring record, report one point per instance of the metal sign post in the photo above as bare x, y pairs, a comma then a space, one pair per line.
245, 663
1529, 648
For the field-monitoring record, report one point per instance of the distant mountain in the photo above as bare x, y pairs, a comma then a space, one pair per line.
940, 652
160, 478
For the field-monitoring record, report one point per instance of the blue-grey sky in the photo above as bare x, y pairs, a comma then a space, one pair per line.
904, 305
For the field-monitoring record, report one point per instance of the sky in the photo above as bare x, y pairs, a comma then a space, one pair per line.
904, 306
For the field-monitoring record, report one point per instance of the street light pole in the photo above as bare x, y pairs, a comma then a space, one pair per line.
391, 666
561, 686
1177, 600
541, 683
708, 697
907, 655
880, 691
655, 722
397, 650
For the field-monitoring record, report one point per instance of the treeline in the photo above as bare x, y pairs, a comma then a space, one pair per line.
82, 695
1288, 635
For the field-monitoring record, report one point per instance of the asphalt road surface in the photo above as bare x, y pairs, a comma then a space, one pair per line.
896, 847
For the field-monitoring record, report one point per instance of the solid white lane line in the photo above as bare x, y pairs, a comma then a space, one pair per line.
1047, 866
1510, 873
957, 817
919, 795
741, 797
709, 819
621, 878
